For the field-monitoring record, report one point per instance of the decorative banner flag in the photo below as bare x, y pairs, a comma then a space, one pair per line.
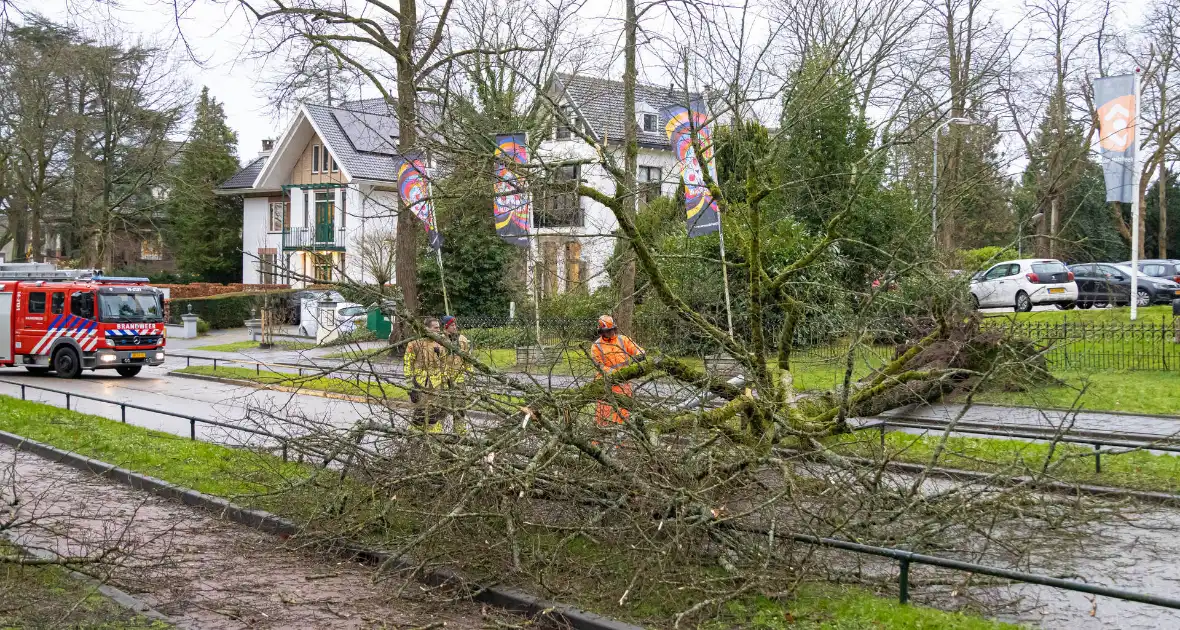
414, 189
511, 201
1117, 114
701, 209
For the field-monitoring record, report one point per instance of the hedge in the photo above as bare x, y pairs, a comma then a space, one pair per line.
228, 310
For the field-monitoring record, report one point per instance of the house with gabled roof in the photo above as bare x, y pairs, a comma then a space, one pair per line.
576, 236
319, 196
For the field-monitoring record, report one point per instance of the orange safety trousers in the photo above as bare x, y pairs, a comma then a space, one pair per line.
611, 356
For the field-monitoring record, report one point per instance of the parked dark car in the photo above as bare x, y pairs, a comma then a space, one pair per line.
295, 302
1152, 289
1100, 284
1159, 268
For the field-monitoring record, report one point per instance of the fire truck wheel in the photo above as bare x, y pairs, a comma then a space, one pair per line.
37, 369
66, 363
128, 370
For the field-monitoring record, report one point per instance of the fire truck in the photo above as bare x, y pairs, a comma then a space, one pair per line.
71, 320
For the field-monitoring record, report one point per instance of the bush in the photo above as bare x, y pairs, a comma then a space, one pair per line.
972, 260
202, 327
499, 337
228, 310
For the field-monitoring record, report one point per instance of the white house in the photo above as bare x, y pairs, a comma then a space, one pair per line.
576, 236
328, 185
322, 200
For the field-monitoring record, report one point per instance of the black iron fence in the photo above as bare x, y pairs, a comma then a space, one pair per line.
1080, 345
819, 341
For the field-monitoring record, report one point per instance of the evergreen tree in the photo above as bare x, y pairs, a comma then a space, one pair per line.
204, 229
1153, 213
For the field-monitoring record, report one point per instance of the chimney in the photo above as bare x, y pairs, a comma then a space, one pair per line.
267, 146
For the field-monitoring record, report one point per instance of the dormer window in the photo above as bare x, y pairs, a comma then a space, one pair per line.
650, 122
566, 121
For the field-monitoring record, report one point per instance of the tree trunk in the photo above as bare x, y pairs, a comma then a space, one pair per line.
1163, 229
1054, 222
406, 239
626, 311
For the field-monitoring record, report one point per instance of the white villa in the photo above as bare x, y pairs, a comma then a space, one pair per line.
329, 184
324, 188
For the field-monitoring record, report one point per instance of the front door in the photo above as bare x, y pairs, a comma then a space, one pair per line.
325, 216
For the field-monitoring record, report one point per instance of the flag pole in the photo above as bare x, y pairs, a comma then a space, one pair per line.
724, 274
442, 280
1135, 204
536, 280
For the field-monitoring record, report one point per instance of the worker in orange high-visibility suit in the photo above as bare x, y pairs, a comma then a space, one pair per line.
612, 352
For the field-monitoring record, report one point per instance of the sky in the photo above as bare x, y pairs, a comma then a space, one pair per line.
216, 41
213, 52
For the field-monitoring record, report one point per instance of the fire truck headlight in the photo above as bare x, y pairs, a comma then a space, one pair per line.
107, 358
159, 356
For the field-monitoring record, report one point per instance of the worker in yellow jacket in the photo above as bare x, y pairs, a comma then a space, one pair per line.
425, 371
456, 376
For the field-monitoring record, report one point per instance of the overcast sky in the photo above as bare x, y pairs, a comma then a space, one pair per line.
219, 38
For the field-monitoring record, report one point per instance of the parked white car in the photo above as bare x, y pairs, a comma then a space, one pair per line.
348, 317
1022, 284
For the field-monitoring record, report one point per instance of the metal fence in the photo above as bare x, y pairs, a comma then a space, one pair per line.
818, 341
1080, 345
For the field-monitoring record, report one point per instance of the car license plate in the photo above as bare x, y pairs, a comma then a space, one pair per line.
1176, 292
1057, 290
138, 355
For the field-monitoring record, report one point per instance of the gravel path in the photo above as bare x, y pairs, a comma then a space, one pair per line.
208, 573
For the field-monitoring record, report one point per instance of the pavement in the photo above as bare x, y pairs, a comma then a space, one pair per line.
1139, 426
205, 572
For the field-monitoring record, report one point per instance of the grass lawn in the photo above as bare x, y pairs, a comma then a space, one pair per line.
1143, 391
229, 472
49, 597
1120, 315
242, 346
309, 382
1136, 470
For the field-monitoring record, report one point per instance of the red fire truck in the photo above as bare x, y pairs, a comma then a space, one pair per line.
73, 320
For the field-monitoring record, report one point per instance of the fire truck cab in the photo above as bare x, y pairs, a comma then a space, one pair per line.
67, 321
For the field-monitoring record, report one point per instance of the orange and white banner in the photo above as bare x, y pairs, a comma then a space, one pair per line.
1118, 143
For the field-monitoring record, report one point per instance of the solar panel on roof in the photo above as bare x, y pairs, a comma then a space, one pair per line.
369, 132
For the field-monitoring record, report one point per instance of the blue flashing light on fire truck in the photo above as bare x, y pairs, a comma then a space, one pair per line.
70, 320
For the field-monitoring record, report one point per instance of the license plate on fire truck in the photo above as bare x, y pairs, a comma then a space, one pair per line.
138, 355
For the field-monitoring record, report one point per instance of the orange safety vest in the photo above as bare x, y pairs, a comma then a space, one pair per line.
611, 356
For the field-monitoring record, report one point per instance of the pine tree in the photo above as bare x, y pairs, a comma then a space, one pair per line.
205, 229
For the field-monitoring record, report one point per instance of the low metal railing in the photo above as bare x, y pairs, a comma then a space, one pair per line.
124, 406
1152, 443
906, 558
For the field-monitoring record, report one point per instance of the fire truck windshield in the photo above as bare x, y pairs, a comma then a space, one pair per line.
130, 307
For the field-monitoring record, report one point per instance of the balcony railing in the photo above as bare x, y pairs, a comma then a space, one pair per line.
318, 238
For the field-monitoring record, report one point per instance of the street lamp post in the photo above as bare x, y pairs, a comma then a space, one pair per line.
934, 188
1020, 232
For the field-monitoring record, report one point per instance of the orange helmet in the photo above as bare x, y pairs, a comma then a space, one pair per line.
606, 323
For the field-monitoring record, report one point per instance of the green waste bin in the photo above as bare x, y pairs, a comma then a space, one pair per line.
378, 323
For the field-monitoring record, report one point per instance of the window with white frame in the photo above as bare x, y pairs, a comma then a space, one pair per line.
335, 168
650, 122
315, 158
152, 248
650, 179
277, 216
566, 121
